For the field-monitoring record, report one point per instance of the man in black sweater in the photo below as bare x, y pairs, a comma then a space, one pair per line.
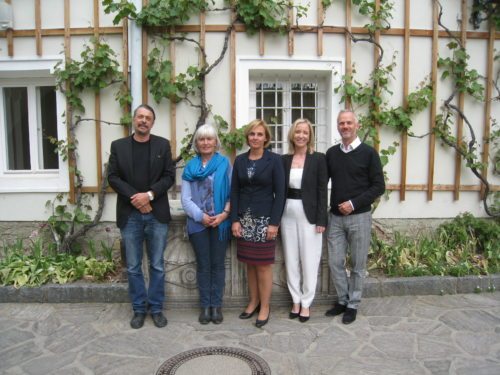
357, 180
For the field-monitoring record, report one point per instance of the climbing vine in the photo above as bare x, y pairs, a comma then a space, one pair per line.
465, 81
189, 86
372, 97
485, 10
96, 69
160, 16
271, 15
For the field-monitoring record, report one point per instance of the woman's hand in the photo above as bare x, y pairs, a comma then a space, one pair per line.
207, 220
218, 219
236, 229
272, 232
320, 229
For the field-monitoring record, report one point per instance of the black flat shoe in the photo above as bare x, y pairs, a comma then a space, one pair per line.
262, 323
245, 315
205, 316
293, 315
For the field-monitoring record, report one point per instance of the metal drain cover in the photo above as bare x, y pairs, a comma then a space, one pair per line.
215, 360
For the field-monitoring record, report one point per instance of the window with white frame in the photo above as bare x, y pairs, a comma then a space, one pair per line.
281, 90
30, 120
281, 98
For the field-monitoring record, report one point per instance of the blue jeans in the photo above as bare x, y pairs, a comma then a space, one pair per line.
140, 228
210, 271
353, 233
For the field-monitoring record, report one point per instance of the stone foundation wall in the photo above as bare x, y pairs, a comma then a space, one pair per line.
180, 261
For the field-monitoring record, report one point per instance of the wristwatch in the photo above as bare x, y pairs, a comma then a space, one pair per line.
151, 196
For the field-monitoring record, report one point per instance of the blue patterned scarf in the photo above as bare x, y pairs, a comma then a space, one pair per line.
218, 166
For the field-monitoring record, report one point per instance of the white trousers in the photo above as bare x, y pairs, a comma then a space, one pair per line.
302, 251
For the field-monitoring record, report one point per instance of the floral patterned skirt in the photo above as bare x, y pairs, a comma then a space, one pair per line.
252, 247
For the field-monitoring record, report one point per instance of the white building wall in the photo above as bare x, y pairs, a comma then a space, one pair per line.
31, 206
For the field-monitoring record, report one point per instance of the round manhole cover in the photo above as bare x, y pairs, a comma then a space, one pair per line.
215, 360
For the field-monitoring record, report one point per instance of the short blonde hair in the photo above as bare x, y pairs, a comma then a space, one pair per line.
291, 132
255, 123
205, 131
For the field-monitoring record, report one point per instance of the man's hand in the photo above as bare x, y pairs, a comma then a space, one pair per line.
345, 208
141, 202
146, 209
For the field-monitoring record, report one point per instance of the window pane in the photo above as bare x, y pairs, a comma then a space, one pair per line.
48, 112
309, 99
269, 116
310, 115
296, 99
310, 86
17, 128
269, 100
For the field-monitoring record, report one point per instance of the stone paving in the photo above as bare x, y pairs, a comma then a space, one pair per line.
451, 334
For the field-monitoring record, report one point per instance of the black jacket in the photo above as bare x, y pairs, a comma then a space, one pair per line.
264, 193
162, 177
313, 186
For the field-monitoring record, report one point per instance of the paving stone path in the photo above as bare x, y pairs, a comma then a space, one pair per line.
451, 334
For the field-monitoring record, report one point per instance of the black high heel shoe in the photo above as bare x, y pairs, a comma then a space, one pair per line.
262, 323
245, 315
303, 318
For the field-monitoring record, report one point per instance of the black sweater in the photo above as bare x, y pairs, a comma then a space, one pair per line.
356, 176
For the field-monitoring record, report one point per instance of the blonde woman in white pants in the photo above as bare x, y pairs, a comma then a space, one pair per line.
305, 216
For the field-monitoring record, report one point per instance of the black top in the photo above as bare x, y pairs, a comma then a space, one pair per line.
356, 176
313, 186
140, 157
263, 193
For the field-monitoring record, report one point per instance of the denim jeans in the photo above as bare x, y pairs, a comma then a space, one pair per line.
353, 233
210, 271
140, 228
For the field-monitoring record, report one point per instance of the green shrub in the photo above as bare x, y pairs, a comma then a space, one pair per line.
464, 246
33, 267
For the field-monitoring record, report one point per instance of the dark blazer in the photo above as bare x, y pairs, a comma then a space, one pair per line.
264, 193
314, 186
162, 177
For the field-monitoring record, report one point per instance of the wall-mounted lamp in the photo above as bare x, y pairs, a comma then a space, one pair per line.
5, 15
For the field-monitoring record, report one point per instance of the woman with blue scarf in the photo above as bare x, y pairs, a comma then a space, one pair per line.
205, 199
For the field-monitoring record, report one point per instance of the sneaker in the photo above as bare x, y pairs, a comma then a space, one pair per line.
337, 309
138, 320
159, 319
349, 315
